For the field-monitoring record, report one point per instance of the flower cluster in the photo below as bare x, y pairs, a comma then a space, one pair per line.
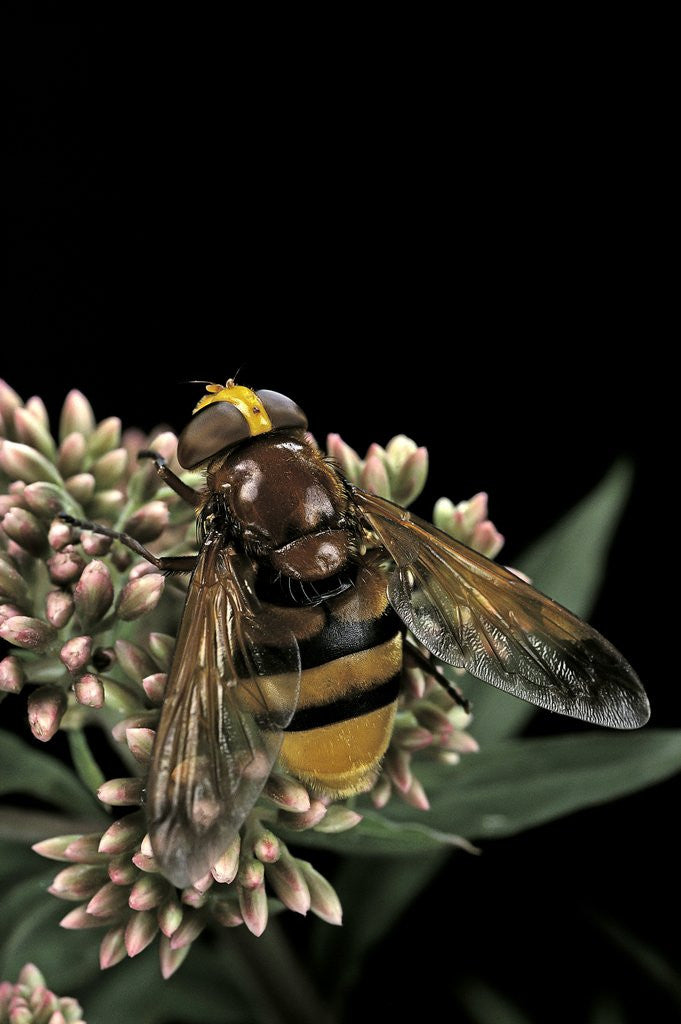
94, 628
31, 1002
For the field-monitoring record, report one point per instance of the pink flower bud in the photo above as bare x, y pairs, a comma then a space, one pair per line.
108, 900
121, 870
11, 675
121, 792
79, 918
398, 450
31, 634
382, 791
415, 796
148, 522
135, 662
227, 865
305, 819
9, 401
411, 737
8, 501
8, 611
398, 767
85, 849
287, 793
288, 882
78, 882
375, 477
30, 431
107, 504
140, 742
76, 416
487, 539
75, 654
93, 594
81, 486
190, 929
46, 707
266, 847
253, 906
95, 544
140, 596
109, 468
162, 647
105, 438
323, 899
71, 455
140, 932
227, 913
89, 691
411, 478
58, 608
20, 462
148, 892
44, 499
170, 915
12, 586
54, 848
346, 457
59, 535
338, 819
154, 686
123, 835
65, 567
112, 949
171, 959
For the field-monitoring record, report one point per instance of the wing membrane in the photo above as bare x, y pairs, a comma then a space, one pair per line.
472, 613
232, 688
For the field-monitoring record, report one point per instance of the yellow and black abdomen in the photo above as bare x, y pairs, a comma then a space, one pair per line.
351, 656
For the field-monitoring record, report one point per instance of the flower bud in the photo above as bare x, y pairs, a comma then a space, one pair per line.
8, 611
121, 792
305, 819
9, 401
145, 863
169, 914
30, 975
107, 504
398, 766
20, 462
58, 608
23, 527
94, 593
171, 959
59, 535
123, 834
411, 737
140, 596
140, 742
253, 906
411, 478
227, 913
76, 416
323, 899
338, 818
108, 900
346, 457
11, 675
9, 501
89, 691
135, 662
54, 848
190, 929
139, 721
121, 870
375, 477
31, 634
162, 647
71, 455
78, 882
112, 949
46, 707
30, 431
155, 686
433, 718
75, 653
415, 796
288, 882
227, 865
79, 918
382, 791
65, 566
81, 487
44, 499
105, 438
398, 451
148, 522
95, 544
12, 586
109, 468
85, 849
487, 539
148, 892
266, 846
191, 897
287, 793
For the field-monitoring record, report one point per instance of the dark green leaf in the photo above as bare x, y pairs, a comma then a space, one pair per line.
29, 771
568, 564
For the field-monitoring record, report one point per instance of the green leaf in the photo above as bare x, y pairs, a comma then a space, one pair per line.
568, 564
29, 771
485, 1005
379, 833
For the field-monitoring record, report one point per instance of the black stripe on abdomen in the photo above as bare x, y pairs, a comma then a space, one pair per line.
341, 637
344, 708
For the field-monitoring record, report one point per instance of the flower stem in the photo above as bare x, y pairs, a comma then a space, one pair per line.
89, 772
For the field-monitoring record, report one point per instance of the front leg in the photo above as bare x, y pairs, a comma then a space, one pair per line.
429, 665
179, 563
186, 492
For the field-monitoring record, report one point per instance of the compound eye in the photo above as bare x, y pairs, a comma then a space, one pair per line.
282, 411
213, 428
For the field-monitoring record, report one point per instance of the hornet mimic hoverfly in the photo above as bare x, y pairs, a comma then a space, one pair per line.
295, 623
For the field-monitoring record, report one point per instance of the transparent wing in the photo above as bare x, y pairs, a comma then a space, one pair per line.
474, 614
232, 688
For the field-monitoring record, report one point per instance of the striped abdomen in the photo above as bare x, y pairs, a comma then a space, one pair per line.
351, 656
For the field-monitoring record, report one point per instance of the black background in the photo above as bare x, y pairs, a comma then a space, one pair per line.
474, 274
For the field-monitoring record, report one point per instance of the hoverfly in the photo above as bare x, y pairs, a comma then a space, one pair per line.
295, 624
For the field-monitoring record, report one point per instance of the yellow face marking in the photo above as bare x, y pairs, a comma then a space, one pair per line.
245, 400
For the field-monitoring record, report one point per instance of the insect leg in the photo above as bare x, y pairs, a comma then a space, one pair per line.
178, 563
428, 664
186, 492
